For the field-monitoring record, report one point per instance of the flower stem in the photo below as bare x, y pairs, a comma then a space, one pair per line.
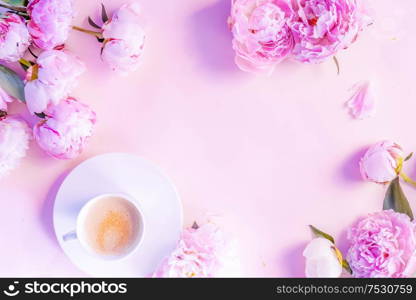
90, 32
408, 179
15, 8
337, 64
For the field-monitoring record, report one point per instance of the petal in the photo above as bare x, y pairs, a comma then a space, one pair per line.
362, 103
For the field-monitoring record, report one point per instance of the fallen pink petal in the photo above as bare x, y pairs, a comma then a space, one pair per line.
362, 103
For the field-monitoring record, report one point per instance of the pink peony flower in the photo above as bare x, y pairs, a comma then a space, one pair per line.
51, 79
14, 37
50, 22
66, 129
322, 259
14, 142
124, 39
323, 27
362, 103
197, 254
379, 163
4, 99
383, 244
262, 37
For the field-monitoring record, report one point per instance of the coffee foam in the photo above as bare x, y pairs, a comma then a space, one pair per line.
111, 226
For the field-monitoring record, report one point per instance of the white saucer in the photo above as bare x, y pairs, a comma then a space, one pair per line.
128, 174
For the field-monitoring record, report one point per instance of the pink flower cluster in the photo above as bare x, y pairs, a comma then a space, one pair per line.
269, 31
197, 254
382, 244
65, 124
48, 27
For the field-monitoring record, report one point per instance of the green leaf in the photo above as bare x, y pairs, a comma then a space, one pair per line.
346, 266
11, 83
396, 200
319, 233
41, 115
92, 23
104, 15
408, 157
14, 2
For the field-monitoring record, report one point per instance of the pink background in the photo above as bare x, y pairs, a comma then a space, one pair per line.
269, 154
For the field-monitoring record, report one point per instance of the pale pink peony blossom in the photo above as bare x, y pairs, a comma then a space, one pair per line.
261, 35
321, 259
362, 103
379, 164
50, 22
198, 254
383, 244
124, 39
5, 98
66, 129
323, 27
15, 136
14, 37
56, 75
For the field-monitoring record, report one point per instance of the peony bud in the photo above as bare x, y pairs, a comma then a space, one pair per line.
322, 259
379, 164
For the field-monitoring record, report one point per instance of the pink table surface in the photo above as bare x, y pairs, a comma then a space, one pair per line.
268, 154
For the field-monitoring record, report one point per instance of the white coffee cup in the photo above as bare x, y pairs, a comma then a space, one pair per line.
80, 232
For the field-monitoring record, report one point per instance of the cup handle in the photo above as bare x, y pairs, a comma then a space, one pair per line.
72, 235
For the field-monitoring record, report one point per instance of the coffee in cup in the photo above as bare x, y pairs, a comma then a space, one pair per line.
110, 226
